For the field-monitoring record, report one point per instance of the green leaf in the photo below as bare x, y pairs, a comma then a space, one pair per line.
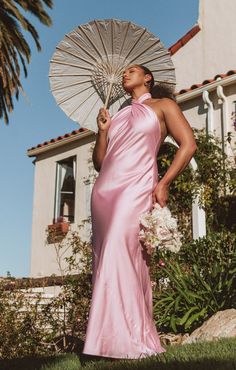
173, 323
195, 317
182, 320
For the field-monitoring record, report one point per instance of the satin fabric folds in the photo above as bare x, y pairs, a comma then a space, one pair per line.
120, 320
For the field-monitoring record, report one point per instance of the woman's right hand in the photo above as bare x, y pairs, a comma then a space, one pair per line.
160, 194
103, 119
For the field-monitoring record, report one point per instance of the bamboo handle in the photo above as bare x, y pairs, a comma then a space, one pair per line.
108, 95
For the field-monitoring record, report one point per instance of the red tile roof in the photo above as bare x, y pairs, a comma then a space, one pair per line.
183, 40
59, 138
205, 82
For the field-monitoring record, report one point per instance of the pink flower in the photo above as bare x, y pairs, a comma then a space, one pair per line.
161, 263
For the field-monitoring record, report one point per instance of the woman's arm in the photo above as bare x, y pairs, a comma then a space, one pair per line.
100, 147
179, 128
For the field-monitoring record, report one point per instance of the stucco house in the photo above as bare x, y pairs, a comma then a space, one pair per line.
62, 188
205, 61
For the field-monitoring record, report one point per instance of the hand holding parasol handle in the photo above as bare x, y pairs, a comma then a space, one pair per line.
108, 95
107, 100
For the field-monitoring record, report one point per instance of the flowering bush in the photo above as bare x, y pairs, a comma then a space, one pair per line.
158, 229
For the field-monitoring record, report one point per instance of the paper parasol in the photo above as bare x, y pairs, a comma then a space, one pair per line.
86, 68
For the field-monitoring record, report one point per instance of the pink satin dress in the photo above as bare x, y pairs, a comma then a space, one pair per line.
120, 323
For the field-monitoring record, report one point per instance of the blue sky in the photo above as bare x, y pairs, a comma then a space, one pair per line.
36, 117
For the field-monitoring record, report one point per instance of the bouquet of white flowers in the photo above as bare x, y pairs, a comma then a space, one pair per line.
158, 229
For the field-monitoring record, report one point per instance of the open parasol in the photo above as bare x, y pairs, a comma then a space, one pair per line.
86, 68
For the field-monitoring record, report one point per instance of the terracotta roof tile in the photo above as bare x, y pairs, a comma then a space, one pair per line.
205, 82
231, 72
183, 40
59, 138
195, 86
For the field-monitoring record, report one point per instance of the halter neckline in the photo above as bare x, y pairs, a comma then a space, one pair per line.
142, 98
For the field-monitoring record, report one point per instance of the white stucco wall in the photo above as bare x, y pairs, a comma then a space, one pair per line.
212, 50
43, 255
196, 112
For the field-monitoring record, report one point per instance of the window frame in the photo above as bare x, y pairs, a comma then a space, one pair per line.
57, 191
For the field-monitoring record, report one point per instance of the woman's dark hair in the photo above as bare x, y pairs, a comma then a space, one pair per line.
160, 90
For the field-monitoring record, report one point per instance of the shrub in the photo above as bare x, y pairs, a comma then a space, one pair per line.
30, 326
76, 291
214, 182
195, 283
22, 331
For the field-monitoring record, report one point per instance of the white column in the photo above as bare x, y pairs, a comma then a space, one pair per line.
210, 118
198, 220
225, 120
198, 213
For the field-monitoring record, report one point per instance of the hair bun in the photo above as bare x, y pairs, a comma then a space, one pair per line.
162, 90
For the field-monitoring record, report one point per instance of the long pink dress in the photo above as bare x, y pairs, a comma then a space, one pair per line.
120, 320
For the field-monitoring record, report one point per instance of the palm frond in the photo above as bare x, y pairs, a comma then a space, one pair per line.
14, 47
36, 7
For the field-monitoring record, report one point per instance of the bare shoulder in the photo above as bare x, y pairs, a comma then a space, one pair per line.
166, 103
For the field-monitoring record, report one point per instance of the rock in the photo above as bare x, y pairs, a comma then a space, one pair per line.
171, 338
222, 324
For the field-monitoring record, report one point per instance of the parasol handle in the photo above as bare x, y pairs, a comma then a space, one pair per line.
108, 95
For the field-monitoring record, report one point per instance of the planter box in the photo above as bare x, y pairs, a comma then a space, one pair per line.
57, 231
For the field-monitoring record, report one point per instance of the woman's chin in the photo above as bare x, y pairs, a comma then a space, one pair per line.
128, 89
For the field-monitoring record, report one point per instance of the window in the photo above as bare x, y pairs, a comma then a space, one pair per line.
65, 190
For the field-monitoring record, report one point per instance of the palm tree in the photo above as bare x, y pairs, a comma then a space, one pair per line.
14, 49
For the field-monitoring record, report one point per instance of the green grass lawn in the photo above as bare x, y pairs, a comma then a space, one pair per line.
219, 355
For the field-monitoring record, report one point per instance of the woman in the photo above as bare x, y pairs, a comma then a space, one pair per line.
120, 321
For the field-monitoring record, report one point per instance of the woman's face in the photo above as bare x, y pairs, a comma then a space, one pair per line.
133, 77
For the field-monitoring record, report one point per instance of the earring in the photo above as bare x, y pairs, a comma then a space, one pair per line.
146, 84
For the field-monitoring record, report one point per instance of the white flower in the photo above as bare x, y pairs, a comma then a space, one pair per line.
158, 229
171, 223
164, 282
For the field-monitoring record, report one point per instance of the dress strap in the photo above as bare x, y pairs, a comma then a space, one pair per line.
141, 98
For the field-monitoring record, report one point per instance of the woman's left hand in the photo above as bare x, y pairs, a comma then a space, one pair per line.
160, 194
